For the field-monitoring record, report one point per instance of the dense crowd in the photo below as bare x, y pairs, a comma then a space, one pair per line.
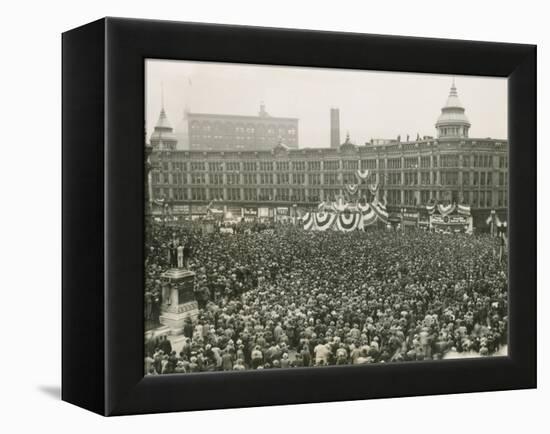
285, 298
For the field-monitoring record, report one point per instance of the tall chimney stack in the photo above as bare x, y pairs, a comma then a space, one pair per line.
334, 128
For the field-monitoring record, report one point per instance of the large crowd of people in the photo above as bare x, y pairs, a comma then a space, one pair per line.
284, 297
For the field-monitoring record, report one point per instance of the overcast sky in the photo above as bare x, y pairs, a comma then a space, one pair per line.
372, 104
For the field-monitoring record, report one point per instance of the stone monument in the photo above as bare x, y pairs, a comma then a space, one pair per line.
178, 299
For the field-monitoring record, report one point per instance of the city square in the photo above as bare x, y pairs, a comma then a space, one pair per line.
262, 253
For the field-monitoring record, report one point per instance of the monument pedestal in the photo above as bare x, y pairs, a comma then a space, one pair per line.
178, 299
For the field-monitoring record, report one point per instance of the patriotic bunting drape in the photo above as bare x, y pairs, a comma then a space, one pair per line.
445, 210
362, 174
352, 188
373, 188
380, 210
324, 220
345, 216
431, 208
308, 220
368, 215
464, 209
348, 221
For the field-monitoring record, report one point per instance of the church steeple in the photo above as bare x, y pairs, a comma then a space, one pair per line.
453, 122
163, 136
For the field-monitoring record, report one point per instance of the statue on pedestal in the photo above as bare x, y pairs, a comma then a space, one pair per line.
180, 255
178, 302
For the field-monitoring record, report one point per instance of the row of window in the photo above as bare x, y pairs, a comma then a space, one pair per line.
445, 161
454, 131
447, 177
481, 198
252, 166
240, 129
198, 139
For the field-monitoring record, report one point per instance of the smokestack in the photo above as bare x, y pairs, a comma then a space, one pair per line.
334, 128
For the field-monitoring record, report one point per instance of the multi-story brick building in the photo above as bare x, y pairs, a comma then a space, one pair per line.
451, 167
224, 132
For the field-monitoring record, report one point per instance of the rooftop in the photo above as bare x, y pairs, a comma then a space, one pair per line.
242, 117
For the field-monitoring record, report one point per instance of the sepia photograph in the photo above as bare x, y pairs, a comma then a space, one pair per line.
308, 217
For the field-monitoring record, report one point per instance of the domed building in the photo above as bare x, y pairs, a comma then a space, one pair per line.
452, 121
227, 160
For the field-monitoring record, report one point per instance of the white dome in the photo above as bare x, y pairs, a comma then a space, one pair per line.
452, 118
452, 115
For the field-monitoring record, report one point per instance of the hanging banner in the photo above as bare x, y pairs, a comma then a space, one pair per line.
449, 220
431, 208
380, 210
373, 188
347, 222
362, 174
368, 218
308, 221
324, 220
363, 208
352, 188
411, 216
446, 209
464, 209
345, 216
181, 209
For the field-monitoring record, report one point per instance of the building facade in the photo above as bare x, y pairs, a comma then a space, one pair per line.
410, 173
224, 132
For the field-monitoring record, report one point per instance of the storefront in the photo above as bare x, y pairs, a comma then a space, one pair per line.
450, 223
394, 220
410, 220
233, 214
250, 214
181, 212
282, 214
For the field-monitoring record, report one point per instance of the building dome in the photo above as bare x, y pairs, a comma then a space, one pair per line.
163, 136
452, 121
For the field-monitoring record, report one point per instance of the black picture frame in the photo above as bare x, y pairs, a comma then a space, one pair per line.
103, 206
